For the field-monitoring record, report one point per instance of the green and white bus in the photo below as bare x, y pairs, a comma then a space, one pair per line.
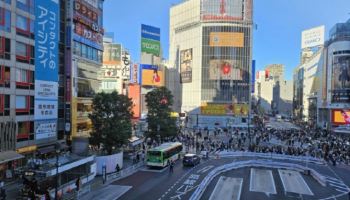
159, 156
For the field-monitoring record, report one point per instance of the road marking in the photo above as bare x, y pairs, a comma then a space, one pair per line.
203, 170
293, 182
227, 188
339, 186
261, 180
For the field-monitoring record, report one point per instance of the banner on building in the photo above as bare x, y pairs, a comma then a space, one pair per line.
45, 129
46, 28
240, 109
150, 46
126, 63
150, 32
112, 54
253, 76
226, 39
135, 95
220, 10
151, 75
135, 74
341, 79
312, 37
341, 116
216, 109
186, 57
225, 70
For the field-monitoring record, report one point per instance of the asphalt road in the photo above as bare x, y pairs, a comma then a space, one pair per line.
182, 183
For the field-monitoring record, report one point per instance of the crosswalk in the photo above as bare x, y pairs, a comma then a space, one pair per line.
337, 184
263, 180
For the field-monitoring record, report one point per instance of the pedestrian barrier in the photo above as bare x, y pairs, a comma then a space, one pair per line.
252, 163
123, 173
308, 159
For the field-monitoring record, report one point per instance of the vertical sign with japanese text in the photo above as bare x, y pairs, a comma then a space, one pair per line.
46, 67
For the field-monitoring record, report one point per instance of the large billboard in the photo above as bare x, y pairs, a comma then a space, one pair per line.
135, 95
112, 54
224, 109
224, 70
341, 117
341, 79
151, 75
46, 27
186, 57
226, 39
150, 40
312, 37
150, 46
150, 32
223, 10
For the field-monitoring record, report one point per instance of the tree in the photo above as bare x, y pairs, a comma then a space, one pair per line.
111, 120
160, 124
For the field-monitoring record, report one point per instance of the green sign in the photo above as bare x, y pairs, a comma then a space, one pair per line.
150, 46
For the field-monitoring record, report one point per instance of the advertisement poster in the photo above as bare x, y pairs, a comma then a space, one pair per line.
312, 37
221, 10
45, 129
134, 94
150, 46
126, 63
216, 109
341, 117
341, 79
46, 28
226, 39
224, 70
152, 76
112, 54
186, 58
240, 109
45, 109
150, 32
135, 74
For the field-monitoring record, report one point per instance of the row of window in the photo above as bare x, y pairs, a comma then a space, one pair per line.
24, 52
24, 78
24, 105
24, 25
87, 52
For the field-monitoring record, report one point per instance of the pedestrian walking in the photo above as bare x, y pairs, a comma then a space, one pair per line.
171, 168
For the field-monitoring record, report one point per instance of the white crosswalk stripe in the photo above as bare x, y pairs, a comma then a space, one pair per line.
337, 184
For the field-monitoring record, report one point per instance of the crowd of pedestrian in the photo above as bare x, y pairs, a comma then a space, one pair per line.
305, 141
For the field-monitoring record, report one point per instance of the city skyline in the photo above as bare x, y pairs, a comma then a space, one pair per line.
283, 36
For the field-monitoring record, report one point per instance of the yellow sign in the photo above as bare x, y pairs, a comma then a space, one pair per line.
240, 109
226, 39
174, 114
152, 77
216, 109
340, 116
27, 149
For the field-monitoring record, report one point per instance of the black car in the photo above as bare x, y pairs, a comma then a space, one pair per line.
191, 160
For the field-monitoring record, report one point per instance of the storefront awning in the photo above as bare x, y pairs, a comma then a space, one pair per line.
7, 156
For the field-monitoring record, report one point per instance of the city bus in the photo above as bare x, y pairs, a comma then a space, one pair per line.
159, 156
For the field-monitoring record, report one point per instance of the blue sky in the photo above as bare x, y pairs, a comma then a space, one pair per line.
276, 40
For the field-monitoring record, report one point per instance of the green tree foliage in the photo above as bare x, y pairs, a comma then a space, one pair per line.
159, 102
111, 120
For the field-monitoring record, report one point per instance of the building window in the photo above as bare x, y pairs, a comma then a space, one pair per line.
5, 20
5, 76
23, 104
24, 26
5, 48
25, 131
26, 5
24, 53
24, 79
4, 105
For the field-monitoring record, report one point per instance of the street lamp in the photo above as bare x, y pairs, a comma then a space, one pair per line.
58, 150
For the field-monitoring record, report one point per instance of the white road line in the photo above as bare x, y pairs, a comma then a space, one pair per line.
227, 188
338, 181
339, 190
339, 186
261, 180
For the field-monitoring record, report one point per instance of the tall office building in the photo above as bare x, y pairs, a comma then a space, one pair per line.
29, 78
84, 55
211, 48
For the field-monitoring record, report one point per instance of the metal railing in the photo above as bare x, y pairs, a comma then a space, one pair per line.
123, 173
